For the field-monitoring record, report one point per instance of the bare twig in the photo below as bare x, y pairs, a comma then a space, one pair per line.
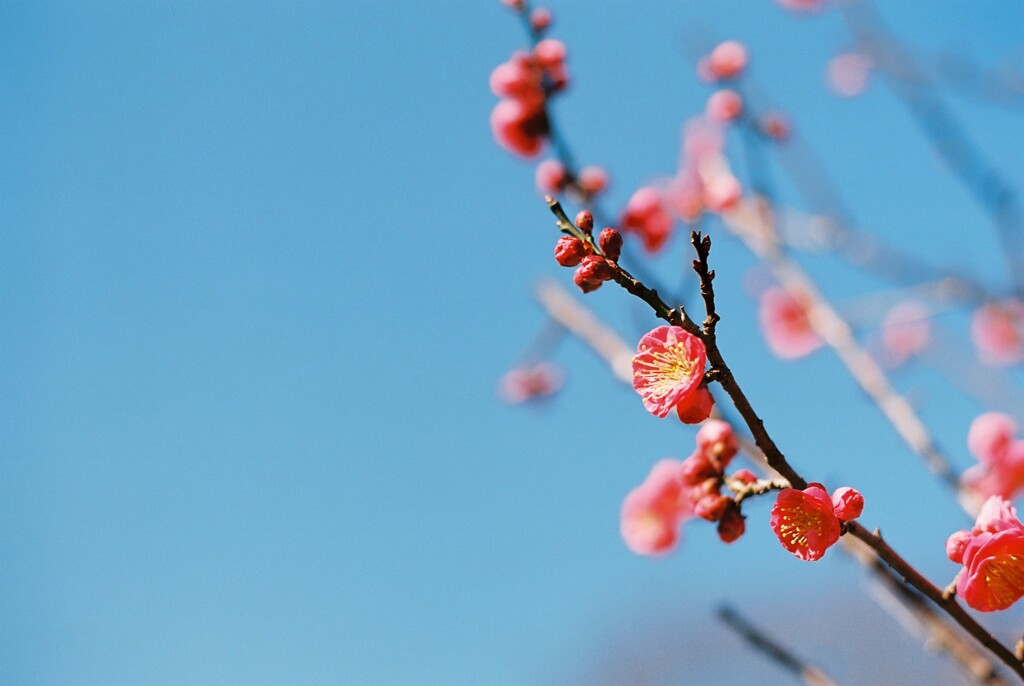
773, 649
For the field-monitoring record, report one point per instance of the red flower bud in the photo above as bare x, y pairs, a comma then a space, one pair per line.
610, 241
569, 250
696, 407
744, 475
585, 221
695, 469
847, 503
592, 272
732, 524
712, 507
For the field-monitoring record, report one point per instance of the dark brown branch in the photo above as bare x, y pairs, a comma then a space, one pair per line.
936, 595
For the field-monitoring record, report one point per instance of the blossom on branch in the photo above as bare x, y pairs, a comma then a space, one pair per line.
652, 512
785, 325
992, 554
807, 522
668, 368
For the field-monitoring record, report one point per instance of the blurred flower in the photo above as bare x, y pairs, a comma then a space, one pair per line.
647, 216
847, 74
996, 332
905, 331
1000, 468
652, 512
530, 382
785, 325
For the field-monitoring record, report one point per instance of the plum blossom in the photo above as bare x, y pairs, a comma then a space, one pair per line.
905, 331
807, 522
726, 61
997, 333
992, 554
785, 325
652, 512
668, 367
1000, 468
647, 215
530, 382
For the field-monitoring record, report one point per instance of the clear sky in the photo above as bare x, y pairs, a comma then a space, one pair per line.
261, 268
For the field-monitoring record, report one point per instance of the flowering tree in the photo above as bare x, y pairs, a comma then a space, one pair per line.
680, 370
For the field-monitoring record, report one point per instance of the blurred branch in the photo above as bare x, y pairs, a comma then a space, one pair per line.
773, 649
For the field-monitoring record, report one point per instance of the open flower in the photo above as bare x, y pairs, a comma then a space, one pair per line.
668, 367
653, 511
807, 522
993, 557
785, 325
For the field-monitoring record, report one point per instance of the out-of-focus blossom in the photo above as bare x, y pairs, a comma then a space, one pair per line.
668, 367
593, 179
726, 61
996, 332
540, 19
905, 331
992, 554
785, 325
724, 106
716, 441
647, 215
530, 382
550, 177
722, 192
847, 74
774, 125
652, 512
1000, 468
519, 127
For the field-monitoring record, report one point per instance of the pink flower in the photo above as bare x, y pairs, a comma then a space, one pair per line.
716, 440
905, 331
593, 179
550, 177
990, 437
993, 557
540, 19
1000, 468
847, 74
652, 512
647, 215
701, 138
519, 126
668, 367
785, 325
996, 332
722, 192
685, 194
805, 522
726, 61
529, 382
724, 106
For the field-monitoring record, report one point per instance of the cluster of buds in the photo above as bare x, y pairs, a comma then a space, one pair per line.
593, 266
703, 476
677, 491
520, 120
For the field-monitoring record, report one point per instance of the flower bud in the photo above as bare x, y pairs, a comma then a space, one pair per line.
593, 179
592, 272
610, 241
732, 524
744, 475
585, 221
712, 507
956, 544
540, 19
696, 469
716, 440
696, 407
569, 251
848, 503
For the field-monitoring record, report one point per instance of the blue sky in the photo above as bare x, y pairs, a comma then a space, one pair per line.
262, 268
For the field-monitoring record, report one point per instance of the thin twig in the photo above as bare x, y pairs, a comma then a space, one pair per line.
773, 649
